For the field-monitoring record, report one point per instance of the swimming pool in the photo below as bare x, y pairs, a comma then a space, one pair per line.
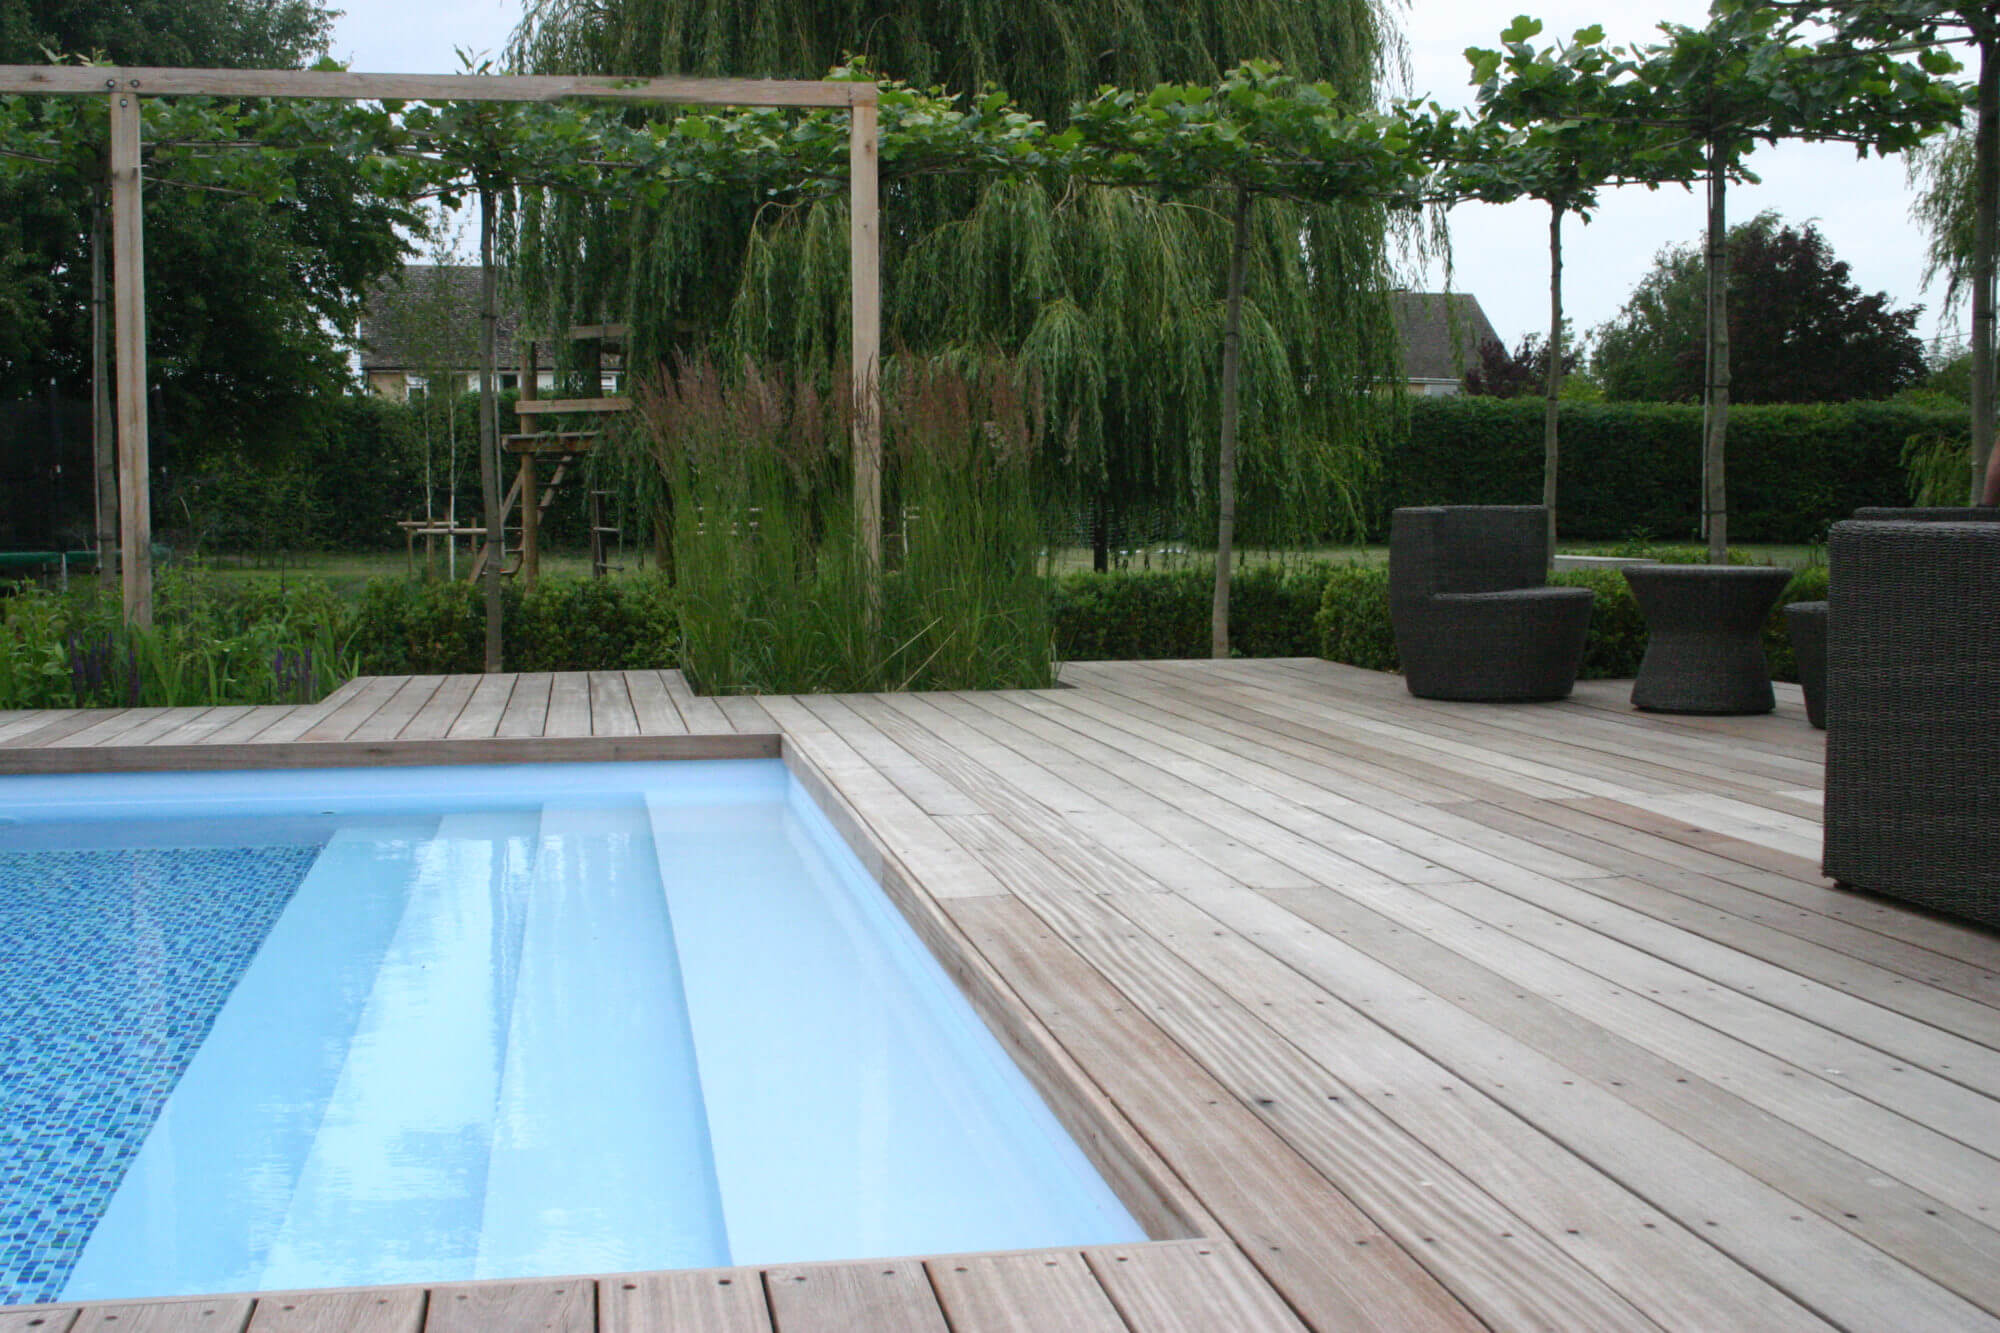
349, 1026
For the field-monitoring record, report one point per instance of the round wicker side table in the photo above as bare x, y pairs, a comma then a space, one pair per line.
1704, 653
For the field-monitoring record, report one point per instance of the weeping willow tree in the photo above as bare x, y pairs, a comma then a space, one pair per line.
1113, 299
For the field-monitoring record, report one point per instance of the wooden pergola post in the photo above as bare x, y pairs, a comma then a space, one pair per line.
125, 86
128, 283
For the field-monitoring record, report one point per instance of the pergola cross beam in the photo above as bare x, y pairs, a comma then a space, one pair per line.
125, 86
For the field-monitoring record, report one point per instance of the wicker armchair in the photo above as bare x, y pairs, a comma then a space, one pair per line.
1913, 712
1472, 614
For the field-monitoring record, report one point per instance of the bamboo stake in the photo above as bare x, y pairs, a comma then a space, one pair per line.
128, 251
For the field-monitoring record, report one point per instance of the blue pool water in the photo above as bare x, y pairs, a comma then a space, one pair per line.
344, 1027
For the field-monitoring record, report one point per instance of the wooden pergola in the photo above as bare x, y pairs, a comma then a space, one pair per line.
124, 87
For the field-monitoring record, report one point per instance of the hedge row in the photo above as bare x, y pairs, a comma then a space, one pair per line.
410, 628
1634, 469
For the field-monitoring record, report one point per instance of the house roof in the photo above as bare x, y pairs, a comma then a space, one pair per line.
428, 316
1441, 333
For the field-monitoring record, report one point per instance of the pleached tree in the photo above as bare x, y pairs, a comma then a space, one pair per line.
1113, 300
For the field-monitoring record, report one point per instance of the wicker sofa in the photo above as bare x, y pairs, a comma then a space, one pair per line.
1913, 711
1473, 616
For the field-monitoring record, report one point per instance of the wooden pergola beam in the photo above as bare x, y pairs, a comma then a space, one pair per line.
338, 85
124, 86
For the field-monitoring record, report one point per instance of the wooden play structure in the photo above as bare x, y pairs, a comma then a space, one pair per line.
560, 447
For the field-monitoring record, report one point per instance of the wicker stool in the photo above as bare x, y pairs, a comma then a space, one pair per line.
1806, 622
1703, 653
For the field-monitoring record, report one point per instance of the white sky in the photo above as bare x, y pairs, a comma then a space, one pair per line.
1500, 254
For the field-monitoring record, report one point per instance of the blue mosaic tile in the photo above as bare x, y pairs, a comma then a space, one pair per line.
113, 966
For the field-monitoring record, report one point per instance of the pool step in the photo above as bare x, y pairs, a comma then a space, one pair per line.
600, 1158
391, 1189
210, 1187
867, 1103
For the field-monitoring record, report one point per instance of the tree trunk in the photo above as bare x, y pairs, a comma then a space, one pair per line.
1100, 538
489, 427
1555, 379
1715, 489
103, 439
1986, 178
1232, 367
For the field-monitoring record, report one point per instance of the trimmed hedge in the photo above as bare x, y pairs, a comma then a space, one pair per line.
409, 628
1161, 614
1634, 469
1353, 622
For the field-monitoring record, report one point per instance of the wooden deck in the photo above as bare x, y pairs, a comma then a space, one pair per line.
1410, 1015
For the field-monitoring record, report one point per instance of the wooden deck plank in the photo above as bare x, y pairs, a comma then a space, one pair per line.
569, 705
1582, 1085
342, 692
893, 1296
746, 714
1821, 916
435, 719
527, 708
396, 1311
225, 1315
1902, 1149
1660, 1254
1967, 943
1497, 1260
52, 727
1331, 1262
205, 723
652, 706
389, 720
36, 1321
104, 725
481, 716
1025, 1293
339, 722
702, 714
695, 1301
1108, 778
550, 1305
1195, 1287
1930, 1075
155, 729
26, 722
612, 711
252, 723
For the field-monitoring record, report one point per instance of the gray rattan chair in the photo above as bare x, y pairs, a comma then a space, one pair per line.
1913, 712
1472, 614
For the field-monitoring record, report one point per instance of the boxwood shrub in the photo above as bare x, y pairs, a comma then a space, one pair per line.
406, 627
1161, 614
